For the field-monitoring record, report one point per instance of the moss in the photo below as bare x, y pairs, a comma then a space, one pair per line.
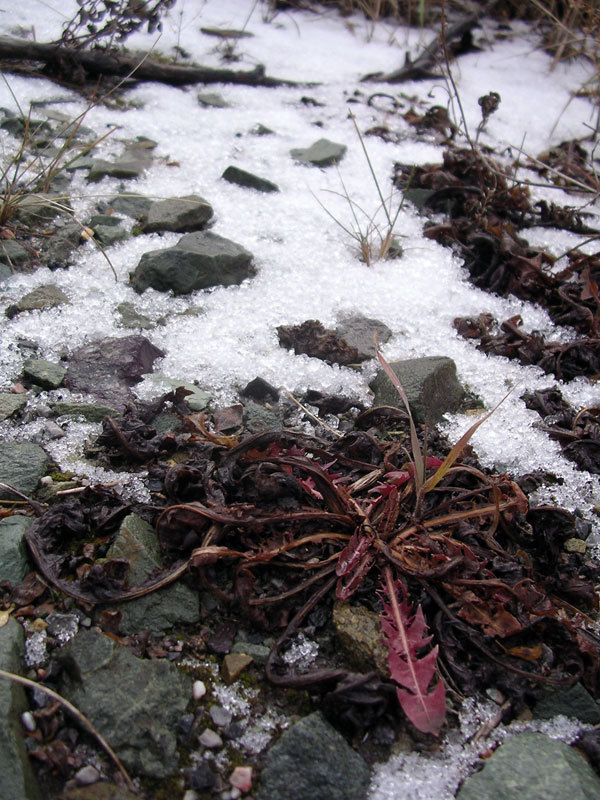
61, 477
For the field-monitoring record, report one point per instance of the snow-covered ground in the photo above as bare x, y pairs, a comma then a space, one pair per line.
307, 268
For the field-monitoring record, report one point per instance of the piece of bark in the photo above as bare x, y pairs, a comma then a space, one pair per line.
95, 63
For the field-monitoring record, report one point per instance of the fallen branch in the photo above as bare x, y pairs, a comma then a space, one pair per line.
98, 63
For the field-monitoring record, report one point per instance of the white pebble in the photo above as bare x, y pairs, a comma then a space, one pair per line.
198, 690
190, 795
210, 739
87, 775
28, 721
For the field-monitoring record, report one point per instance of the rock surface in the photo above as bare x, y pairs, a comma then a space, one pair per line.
312, 761
430, 383
43, 373
109, 367
322, 153
158, 611
197, 261
242, 178
179, 214
22, 464
11, 403
17, 781
533, 766
135, 704
14, 556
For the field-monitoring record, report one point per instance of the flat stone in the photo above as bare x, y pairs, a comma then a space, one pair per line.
17, 781
179, 214
14, 555
110, 234
111, 220
130, 318
233, 666
22, 464
131, 164
13, 253
160, 610
322, 153
38, 209
430, 383
257, 418
312, 761
575, 701
43, 373
60, 249
198, 261
359, 632
108, 367
134, 703
242, 178
11, 403
132, 205
5, 272
533, 766
212, 100
358, 331
90, 412
47, 296
258, 652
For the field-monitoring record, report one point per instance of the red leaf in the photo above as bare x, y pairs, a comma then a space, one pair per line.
404, 636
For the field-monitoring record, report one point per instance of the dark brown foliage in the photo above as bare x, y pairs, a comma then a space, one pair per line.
315, 340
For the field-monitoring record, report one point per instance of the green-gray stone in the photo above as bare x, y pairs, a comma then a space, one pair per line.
112, 220
130, 318
89, 411
247, 179
44, 373
257, 418
575, 701
430, 383
22, 464
134, 703
110, 234
132, 205
179, 214
158, 611
212, 100
358, 331
39, 209
11, 403
13, 252
312, 761
532, 766
198, 400
198, 261
17, 781
5, 271
258, 652
42, 297
14, 556
322, 153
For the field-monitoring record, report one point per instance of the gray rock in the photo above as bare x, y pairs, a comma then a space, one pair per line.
179, 214
532, 766
130, 318
312, 761
108, 367
132, 205
198, 400
258, 652
158, 611
17, 781
22, 464
134, 703
322, 153
11, 403
58, 253
14, 556
198, 261
257, 418
575, 701
212, 100
110, 234
430, 384
358, 330
83, 162
110, 220
131, 164
38, 209
46, 296
90, 412
5, 272
44, 373
243, 178
13, 253
261, 130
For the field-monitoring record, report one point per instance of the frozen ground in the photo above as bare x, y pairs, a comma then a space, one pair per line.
306, 266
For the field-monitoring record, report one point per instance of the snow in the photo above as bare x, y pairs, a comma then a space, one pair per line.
307, 268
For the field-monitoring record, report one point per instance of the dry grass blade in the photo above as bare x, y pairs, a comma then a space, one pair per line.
78, 716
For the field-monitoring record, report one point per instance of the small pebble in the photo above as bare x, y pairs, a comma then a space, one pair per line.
220, 716
87, 775
241, 778
28, 721
190, 795
210, 739
198, 690
46, 480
